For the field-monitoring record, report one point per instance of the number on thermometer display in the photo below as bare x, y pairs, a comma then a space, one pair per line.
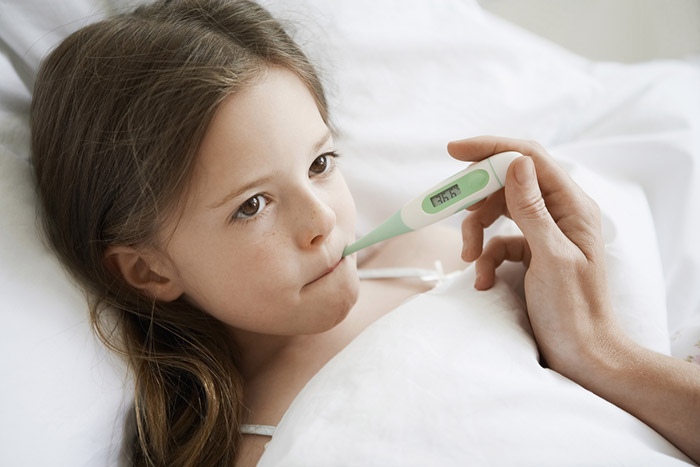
445, 195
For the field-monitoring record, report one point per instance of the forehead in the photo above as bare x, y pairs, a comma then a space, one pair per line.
270, 111
258, 126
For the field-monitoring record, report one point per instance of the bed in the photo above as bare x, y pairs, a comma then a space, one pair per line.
404, 78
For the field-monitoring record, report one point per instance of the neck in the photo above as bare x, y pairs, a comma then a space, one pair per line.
263, 354
260, 352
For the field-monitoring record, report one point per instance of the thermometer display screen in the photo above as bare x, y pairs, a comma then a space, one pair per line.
445, 195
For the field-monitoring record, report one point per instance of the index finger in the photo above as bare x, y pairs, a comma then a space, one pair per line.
551, 177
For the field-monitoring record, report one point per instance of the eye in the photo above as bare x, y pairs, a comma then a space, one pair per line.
250, 207
323, 163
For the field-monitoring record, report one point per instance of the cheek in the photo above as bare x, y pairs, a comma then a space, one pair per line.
230, 282
231, 264
256, 261
266, 257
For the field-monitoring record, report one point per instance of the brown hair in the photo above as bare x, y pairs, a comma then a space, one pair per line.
119, 111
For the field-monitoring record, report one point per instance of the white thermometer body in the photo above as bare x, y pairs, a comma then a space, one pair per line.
453, 194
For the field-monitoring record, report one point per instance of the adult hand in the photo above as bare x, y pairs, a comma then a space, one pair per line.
565, 283
567, 294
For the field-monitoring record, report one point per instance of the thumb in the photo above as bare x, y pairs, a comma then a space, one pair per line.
527, 207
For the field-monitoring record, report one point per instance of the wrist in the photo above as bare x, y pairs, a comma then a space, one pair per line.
661, 391
598, 355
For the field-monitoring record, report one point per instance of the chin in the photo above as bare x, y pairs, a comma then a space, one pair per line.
353, 294
345, 311
343, 303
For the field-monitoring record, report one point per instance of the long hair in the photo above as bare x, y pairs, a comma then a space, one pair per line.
119, 110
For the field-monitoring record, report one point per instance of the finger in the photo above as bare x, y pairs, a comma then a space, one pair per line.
476, 205
566, 203
528, 209
552, 178
497, 250
475, 223
480, 147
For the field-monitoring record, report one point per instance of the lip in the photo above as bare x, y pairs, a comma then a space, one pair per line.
327, 271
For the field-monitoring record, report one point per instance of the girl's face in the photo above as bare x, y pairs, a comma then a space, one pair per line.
268, 213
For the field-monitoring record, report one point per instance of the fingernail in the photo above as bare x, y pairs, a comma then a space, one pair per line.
524, 171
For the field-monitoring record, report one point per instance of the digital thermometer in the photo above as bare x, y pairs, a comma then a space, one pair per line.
453, 194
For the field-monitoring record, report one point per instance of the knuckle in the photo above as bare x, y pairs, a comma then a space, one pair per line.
594, 208
496, 242
590, 214
535, 147
532, 206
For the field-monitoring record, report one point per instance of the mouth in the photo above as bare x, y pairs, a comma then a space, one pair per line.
327, 271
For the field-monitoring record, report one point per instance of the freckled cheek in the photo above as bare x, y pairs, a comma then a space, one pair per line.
245, 262
265, 260
267, 249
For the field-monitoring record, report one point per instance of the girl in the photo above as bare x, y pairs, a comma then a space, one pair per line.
186, 168
204, 214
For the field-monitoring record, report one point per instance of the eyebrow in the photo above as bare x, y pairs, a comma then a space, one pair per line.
240, 191
259, 181
322, 141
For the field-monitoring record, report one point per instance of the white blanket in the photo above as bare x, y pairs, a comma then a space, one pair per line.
452, 378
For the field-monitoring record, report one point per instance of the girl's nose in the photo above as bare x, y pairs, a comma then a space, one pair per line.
316, 220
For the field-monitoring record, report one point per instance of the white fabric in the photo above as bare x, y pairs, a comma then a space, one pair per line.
404, 78
63, 394
452, 378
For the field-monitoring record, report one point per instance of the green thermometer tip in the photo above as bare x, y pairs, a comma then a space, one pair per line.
391, 227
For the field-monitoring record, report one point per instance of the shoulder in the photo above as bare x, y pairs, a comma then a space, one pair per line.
419, 249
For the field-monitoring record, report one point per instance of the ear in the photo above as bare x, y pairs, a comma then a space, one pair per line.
143, 271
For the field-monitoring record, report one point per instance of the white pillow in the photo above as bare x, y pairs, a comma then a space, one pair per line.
63, 399
30, 28
63, 395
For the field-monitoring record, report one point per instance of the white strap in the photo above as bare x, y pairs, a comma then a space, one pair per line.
426, 275
262, 430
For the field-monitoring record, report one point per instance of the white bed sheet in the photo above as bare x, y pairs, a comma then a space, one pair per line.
452, 378
404, 78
